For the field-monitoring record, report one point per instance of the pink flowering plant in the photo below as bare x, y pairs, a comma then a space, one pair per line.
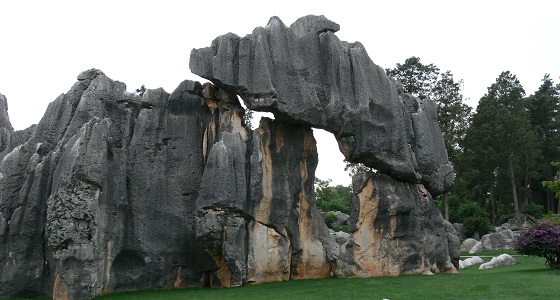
542, 239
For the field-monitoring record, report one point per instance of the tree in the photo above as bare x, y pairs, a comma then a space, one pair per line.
544, 110
500, 144
417, 79
141, 90
453, 114
554, 185
333, 198
248, 118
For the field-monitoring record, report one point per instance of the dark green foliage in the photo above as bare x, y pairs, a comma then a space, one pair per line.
501, 148
554, 185
330, 218
552, 219
417, 79
333, 198
534, 210
248, 118
544, 110
474, 218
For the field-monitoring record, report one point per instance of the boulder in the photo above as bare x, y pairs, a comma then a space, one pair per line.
496, 241
468, 244
304, 74
500, 261
470, 261
341, 218
477, 248
340, 237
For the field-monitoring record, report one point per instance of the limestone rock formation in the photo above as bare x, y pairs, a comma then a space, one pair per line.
468, 244
116, 192
304, 74
394, 229
113, 191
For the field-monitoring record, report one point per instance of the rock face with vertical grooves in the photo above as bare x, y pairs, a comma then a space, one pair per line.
394, 230
114, 191
304, 74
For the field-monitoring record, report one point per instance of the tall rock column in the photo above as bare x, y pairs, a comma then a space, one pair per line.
395, 228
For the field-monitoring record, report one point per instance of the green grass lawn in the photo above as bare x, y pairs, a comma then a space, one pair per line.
529, 279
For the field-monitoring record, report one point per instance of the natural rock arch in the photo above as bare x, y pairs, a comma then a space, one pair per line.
304, 74
177, 185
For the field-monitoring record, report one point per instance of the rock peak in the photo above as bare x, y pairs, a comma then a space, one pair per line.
275, 22
314, 25
90, 74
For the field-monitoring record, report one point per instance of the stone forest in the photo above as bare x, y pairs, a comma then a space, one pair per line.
115, 191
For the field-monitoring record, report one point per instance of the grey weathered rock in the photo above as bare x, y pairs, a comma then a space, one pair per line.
167, 190
468, 244
111, 191
305, 74
340, 237
499, 240
460, 230
500, 261
470, 261
10, 139
341, 218
476, 248
395, 228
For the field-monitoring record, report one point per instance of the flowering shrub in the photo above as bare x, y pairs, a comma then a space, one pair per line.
541, 239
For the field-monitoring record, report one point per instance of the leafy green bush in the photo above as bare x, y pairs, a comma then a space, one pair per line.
541, 239
333, 198
330, 218
554, 185
534, 210
552, 218
474, 218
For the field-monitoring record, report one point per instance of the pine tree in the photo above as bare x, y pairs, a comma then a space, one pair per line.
544, 110
501, 143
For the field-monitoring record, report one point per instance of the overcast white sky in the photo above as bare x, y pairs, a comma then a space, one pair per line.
44, 45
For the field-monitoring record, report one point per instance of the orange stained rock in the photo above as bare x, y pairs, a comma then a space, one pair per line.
269, 255
262, 211
60, 290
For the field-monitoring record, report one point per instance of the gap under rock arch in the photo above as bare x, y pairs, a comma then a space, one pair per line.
331, 160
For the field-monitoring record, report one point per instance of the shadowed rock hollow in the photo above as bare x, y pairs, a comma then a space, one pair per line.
111, 191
